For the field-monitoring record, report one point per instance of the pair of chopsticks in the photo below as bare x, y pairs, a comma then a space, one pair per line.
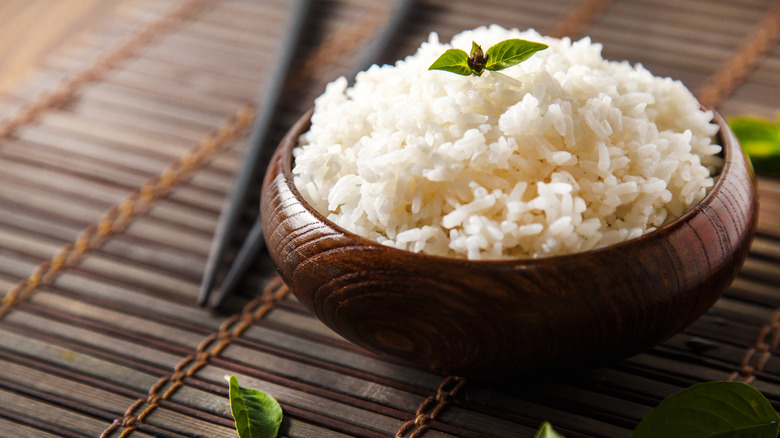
259, 151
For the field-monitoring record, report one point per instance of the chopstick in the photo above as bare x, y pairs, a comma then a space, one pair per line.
258, 149
374, 52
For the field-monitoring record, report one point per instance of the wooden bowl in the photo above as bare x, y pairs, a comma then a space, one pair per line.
506, 318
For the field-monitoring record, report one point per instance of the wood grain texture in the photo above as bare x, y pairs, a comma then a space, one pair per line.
503, 318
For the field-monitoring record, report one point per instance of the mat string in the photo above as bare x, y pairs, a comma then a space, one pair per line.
430, 409
757, 356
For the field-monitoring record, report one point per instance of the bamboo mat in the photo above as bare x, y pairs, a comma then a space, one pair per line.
117, 153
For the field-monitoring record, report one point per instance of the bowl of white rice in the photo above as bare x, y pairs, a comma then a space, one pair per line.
567, 210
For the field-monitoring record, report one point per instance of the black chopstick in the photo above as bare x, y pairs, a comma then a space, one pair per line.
374, 52
258, 149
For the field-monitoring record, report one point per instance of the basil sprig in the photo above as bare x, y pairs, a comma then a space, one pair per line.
257, 414
498, 57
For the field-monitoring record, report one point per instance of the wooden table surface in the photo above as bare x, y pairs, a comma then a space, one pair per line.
122, 125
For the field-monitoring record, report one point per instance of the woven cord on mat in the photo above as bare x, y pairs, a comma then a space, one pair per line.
431, 407
756, 357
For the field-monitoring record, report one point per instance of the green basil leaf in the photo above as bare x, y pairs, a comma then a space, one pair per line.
547, 431
511, 52
256, 413
453, 60
760, 139
710, 410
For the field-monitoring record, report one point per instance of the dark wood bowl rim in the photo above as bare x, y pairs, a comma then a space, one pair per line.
727, 142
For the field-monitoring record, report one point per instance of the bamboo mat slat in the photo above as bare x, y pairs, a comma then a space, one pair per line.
110, 192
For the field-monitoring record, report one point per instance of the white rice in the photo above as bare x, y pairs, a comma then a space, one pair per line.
562, 153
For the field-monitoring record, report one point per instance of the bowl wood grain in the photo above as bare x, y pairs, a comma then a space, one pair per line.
506, 318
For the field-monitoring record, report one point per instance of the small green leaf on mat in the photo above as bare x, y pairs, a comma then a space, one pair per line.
454, 61
711, 410
256, 413
500, 56
760, 139
511, 52
547, 431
